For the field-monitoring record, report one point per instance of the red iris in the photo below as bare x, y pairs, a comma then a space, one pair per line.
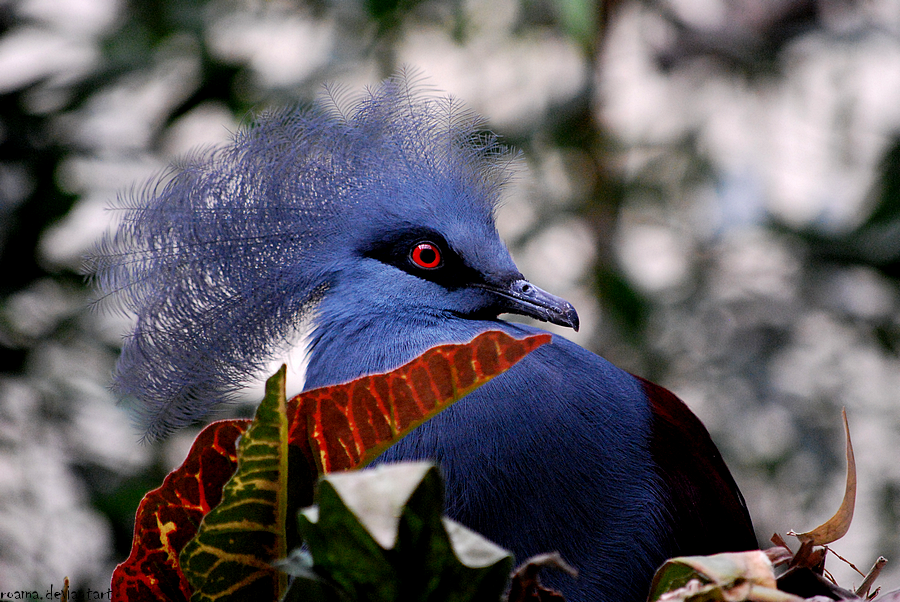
426, 255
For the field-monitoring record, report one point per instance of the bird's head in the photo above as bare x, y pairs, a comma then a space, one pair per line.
420, 238
381, 207
429, 248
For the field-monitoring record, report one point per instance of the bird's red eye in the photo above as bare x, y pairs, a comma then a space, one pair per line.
426, 255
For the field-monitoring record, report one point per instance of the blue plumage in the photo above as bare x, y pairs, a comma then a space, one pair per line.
374, 221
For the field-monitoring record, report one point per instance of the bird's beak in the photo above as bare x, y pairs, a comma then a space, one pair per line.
522, 297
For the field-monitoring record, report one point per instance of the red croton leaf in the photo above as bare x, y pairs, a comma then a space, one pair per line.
349, 425
169, 516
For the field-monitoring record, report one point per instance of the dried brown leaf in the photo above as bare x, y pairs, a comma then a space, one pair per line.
838, 525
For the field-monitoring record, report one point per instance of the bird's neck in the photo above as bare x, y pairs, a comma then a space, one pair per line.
347, 344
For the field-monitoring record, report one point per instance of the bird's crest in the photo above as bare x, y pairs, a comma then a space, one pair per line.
220, 258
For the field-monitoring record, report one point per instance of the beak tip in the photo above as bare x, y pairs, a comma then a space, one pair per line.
522, 297
564, 315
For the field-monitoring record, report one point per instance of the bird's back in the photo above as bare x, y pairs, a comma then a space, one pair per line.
708, 514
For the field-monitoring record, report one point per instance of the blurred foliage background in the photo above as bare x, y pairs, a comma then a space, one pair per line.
715, 184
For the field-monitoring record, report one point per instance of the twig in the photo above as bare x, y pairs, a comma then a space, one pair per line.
847, 562
863, 589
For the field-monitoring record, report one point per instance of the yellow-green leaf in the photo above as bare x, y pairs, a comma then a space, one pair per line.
229, 557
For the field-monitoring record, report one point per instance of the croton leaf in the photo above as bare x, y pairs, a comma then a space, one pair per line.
350, 425
229, 559
168, 517
332, 428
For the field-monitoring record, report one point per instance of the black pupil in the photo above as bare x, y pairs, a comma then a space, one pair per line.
427, 254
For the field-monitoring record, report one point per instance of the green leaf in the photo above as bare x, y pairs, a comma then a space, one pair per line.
229, 558
379, 536
306, 585
427, 544
353, 525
